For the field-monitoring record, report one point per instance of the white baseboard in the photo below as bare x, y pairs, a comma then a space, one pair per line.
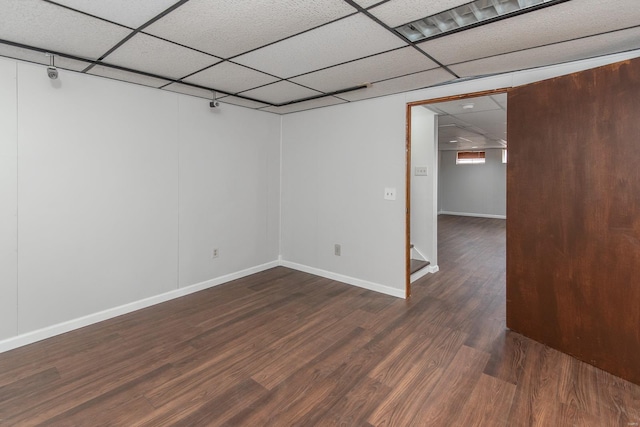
423, 272
477, 215
400, 293
61, 328
70, 325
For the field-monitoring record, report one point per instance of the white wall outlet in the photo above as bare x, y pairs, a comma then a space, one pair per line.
389, 193
421, 171
337, 250
215, 253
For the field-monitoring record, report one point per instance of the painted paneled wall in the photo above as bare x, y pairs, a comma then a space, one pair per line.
475, 190
229, 189
8, 201
123, 192
98, 196
337, 163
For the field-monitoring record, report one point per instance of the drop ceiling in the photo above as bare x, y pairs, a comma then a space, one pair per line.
284, 56
472, 123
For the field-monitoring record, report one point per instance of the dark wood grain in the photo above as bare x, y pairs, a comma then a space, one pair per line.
285, 348
573, 203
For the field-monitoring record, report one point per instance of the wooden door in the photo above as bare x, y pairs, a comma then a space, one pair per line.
573, 215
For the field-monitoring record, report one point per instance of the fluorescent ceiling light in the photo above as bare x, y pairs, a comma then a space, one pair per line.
467, 15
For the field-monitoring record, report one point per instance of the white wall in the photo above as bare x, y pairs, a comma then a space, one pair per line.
475, 190
336, 164
424, 188
229, 189
123, 191
8, 201
97, 196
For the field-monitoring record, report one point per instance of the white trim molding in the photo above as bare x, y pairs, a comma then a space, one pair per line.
423, 272
400, 293
70, 325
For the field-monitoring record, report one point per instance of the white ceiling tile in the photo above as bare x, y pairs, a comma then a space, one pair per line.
401, 84
229, 27
367, 3
500, 99
588, 47
442, 120
399, 12
564, 21
306, 105
40, 24
40, 58
372, 69
155, 56
127, 76
132, 13
345, 40
230, 78
489, 121
234, 100
189, 90
278, 93
456, 107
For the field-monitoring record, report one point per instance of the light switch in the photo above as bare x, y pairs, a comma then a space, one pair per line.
389, 193
421, 171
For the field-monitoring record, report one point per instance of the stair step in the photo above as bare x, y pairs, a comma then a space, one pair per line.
417, 265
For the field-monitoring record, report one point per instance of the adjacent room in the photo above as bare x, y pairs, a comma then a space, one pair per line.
209, 211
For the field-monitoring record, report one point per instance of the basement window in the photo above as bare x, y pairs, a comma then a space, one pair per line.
470, 158
469, 15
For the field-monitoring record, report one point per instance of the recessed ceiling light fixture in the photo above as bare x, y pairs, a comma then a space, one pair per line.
472, 14
468, 106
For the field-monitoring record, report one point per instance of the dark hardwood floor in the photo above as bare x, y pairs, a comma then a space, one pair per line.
285, 348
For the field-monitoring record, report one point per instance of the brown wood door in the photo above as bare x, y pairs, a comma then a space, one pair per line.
573, 215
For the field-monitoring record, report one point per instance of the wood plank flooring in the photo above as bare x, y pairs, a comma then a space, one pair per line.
285, 348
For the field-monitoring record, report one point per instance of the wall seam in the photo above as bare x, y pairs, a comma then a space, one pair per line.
280, 180
179, 146
15, 94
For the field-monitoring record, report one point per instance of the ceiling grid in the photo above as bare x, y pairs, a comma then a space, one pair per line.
284, 56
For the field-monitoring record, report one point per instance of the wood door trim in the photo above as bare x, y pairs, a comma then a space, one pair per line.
407, 218
460, 96
407, 186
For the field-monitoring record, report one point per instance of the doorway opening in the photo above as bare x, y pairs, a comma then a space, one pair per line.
456, 126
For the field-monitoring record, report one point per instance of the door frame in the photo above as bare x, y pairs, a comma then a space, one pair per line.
409, 106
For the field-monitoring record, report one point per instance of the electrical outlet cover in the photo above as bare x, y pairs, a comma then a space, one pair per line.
389, 193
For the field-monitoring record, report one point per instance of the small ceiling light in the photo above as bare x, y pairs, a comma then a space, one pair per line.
453, 141
468, 106
468, 15
52, 71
